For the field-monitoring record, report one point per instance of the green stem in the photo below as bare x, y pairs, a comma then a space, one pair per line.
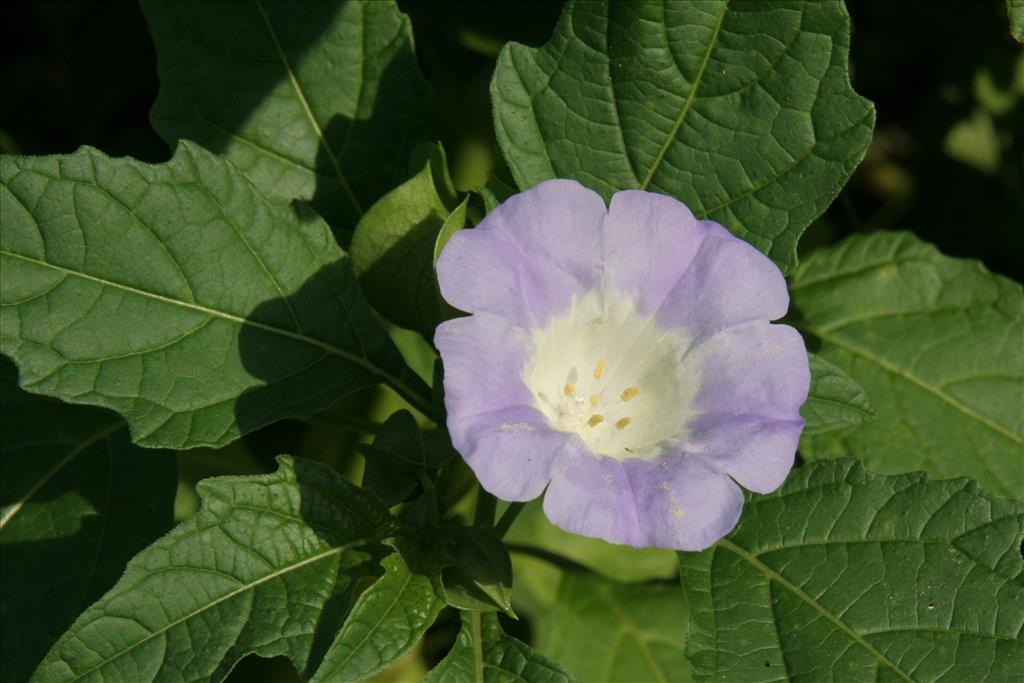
505, 523
485, 506
555, 559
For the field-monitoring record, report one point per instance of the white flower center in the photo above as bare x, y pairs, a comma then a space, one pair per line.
612, 377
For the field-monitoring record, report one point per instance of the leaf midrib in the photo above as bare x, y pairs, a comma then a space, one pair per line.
57, 467
773, 575
916, 381
397, 383
689, 101
238, 591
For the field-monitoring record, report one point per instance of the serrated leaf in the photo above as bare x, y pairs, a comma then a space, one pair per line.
180, 297
266, 566
847, 575
480, 577
938, 344
483, 653
393, 251
317, 101
743, 110
606, 631
835, 400
389, 618
78, 500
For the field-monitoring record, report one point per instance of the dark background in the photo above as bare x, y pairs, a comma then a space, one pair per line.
947, 159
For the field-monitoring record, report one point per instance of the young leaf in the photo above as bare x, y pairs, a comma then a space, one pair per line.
483, 653
634, 632
835, 400
78, 500
480, 577
317, 101
394, 459
267, 566
743, 110
937, 344
389, 618
847, 575
393, 252
180, 297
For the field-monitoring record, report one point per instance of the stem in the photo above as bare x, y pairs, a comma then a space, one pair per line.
356, 424
505, 523
485, 505
551, 558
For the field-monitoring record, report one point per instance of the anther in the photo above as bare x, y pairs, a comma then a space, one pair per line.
623, 423
596, 419
599, 370
569, 389
629, 393
594, 400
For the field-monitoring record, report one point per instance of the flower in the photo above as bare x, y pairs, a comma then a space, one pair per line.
622, 358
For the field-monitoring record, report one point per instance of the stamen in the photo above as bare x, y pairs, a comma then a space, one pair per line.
569, 389
599, 370
594, 400
629, 393
623, 423
595, 420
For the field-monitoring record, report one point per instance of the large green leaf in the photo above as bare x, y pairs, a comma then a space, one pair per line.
835, 400
1015, 12
78, 501
483, 653
742, 109
846, 575
389, 618
938, 343
321, 101
606, 631
179, 296
267, 565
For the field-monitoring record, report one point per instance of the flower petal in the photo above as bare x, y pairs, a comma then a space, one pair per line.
650, 241
728, 283
757, 452
754, 369
672, 502
529, 257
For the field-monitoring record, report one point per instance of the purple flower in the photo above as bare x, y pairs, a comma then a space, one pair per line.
623, 358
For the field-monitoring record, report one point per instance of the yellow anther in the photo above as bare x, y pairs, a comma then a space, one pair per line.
629, 393
595, 420
599, 370
623, 423
570, 389
594, 400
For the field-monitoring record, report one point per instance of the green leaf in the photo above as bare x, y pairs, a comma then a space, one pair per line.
835, 400
394, 459
1015, 12
606, 631
393, 252
483, 653
480, 577
847, 575
317, 101
389, 618
743, 110
267, 566
937, 344
180, 297
78, 500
